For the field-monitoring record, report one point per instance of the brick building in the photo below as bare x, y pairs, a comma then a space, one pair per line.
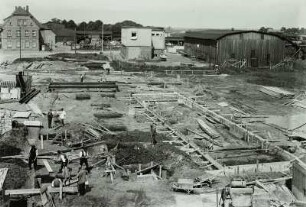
22, 29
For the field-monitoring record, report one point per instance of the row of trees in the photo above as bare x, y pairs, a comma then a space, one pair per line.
290, 31
94, 25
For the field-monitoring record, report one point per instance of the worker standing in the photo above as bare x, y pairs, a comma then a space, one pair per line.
50, 117
153, 134
33, 157
63, 159
83, 159
82, 178
62, 116
82, 78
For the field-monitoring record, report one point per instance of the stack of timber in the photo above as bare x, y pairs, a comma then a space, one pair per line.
29, 96
276, 92
207, 129
87, 85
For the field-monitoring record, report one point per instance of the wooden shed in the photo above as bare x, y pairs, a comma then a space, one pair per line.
255, 48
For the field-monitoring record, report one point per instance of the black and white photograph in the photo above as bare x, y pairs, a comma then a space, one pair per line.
153, 103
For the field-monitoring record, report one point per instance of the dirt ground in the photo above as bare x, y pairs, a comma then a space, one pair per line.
239, 92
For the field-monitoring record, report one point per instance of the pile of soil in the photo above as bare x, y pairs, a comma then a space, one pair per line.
160, 153
16, 175
12, 143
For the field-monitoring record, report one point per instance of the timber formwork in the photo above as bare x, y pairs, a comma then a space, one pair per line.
236, 129
78, 85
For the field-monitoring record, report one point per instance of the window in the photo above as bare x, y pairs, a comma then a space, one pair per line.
34, 33
134, 36
262, 36
25, 22
34, 45
18, 44
18, 33
10, 23
9, 33
27, 33
19, 22
9, 44
153, 34
27, 44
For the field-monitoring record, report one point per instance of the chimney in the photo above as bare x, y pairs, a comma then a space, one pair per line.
27, 8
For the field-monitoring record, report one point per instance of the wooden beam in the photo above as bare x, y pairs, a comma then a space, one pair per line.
35, 191
146, 169
47, 165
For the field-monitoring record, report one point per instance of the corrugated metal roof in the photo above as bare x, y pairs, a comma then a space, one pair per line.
210, 34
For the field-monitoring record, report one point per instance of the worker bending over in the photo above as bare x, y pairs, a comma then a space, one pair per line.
63, 159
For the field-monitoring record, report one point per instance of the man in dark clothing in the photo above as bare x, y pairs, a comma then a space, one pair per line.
82, 178
50, 117
83, 158
153, 134
33, 157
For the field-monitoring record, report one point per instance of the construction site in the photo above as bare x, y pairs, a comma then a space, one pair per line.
154, 135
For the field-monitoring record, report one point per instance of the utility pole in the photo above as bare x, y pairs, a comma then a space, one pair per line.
102, 38
20, 42
74, 40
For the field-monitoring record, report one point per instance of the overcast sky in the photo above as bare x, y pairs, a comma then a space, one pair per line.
175, 13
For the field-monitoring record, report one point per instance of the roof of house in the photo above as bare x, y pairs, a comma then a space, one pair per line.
175, 38
20, 11
59, 29
93, 32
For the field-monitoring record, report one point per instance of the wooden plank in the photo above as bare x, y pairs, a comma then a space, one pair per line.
37, 191
146, 169
206, 128
207, 138
3, 173
47, 165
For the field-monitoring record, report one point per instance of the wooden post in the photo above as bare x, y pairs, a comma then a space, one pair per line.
111, 175
257, 165
41, 141
152, 166
217, 197
160, 171
139, 167
61, 190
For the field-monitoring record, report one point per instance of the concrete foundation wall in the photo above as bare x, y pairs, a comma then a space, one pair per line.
130, 53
